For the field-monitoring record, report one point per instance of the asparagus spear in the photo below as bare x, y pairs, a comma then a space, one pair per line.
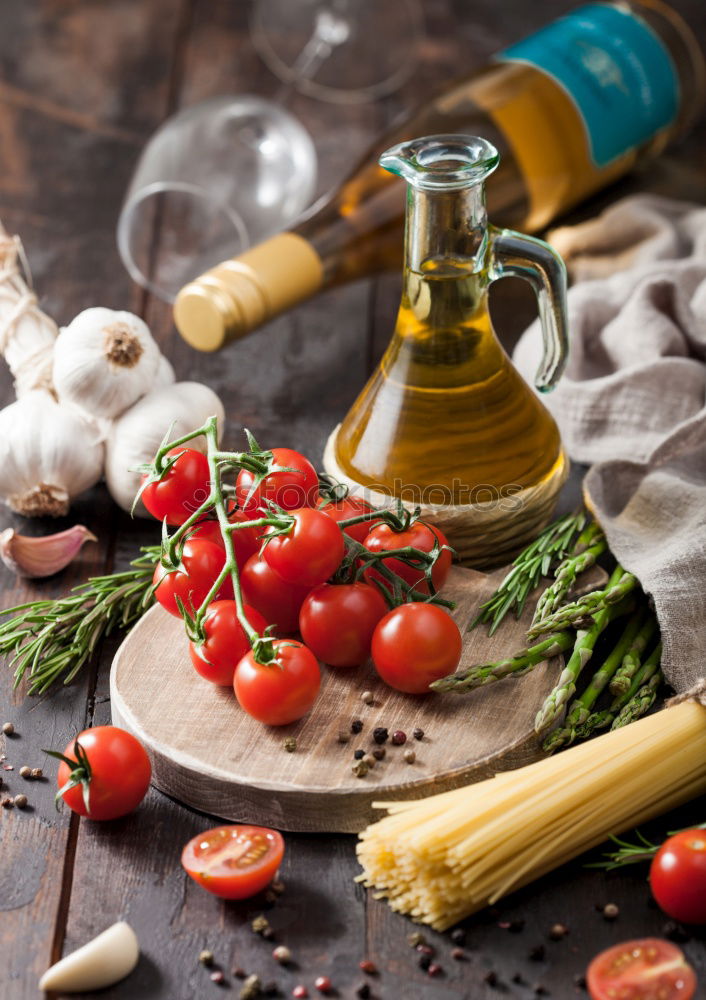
590, 544
521, 663
600, 720
631, 662
641, 703
583, 651
581, 707
574, 614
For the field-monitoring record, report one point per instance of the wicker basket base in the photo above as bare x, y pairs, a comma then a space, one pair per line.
483, 534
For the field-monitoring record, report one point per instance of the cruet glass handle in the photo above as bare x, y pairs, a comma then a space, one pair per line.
534, 260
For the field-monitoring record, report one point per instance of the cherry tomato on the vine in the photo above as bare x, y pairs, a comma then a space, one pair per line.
337, 621
420, 536
280, 692
310, 552
226, 642
115, 779
294, 483
678, 876
414, 645
278, 602
234, 862
246, 541
647, 969
181, 490
201, 562
343, 510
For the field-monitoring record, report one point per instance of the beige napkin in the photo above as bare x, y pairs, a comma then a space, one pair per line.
633, 402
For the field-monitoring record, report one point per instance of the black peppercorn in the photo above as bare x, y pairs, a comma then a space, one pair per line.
363, 991
491, 978
675, 931
359, 754
537, 954
458, 936
580, 981
380, 734
418, 734
424, 962
357, 726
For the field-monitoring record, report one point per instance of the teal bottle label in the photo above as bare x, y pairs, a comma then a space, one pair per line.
616, 70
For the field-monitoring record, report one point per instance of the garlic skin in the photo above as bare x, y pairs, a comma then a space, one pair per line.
101, 962
48, 455
35, 557
135, 436
165, 374
104, 361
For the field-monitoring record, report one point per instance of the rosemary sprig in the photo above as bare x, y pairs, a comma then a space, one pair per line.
632, 854
51, 640
552, 545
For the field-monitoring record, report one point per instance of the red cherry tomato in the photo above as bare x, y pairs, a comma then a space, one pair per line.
246, 541
419, 535
648, 969
181, 490
278, 602
343, 510
414, 645
296, 485
337, 621
678, 876
200, 564
226, 642
310, 552
281, 692
117, 777
234, 862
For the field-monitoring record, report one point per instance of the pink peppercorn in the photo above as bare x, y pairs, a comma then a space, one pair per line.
367, 966
399, 737
323, 984
300, 992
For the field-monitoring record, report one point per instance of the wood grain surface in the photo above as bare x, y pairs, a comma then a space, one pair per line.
208, 754
83, 83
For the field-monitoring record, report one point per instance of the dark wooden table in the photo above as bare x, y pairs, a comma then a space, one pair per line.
82, 85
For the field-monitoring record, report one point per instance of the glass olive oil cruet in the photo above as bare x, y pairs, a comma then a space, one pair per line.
446, 421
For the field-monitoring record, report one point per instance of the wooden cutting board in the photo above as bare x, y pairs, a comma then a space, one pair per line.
210, 755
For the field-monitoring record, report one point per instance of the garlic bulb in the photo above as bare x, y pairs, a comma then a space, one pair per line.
101, 962
48, 454
27, 334
43, 555
165, 374
104, 361
135, 436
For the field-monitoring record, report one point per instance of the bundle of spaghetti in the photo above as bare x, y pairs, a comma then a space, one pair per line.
442, 858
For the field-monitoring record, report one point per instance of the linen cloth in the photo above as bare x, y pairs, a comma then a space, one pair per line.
633, 402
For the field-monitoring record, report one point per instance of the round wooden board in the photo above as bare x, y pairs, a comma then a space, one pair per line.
210, 755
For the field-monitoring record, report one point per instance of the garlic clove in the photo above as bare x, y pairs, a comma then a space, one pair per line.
101, 962
43, 556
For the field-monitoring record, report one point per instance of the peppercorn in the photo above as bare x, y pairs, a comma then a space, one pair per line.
37, 772
25, 772
270, 989
434, 969
206, 957
537, 954
367, 697
418, 734
356, 726
217, 977
359, 754
611, 911
260, 924
380, 734
399, 737
300, 992
415, 938
370, 968
239, 972
426, 949
409, 756
282, 954
323, 984
558, 931
379, 753
363, 991
424, 962
360, 769
290, 744
7, 803
343, 736
491, 978
511, 925
20, 801
7, 728
519, 979
675, 931
580, 981
540, 990
458, 954
458, 936
369, 760
251, 988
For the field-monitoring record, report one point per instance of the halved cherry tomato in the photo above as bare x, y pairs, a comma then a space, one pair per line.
234, 862
337, 621
343, 510
226, 642
116, 778
200, 564
310, 552
414, 645
280, 692
246, 541
678, 876
181, 490
419, 535
278, 602
648, 969
296, 485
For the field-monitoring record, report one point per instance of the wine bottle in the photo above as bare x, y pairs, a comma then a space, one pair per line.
570, 109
